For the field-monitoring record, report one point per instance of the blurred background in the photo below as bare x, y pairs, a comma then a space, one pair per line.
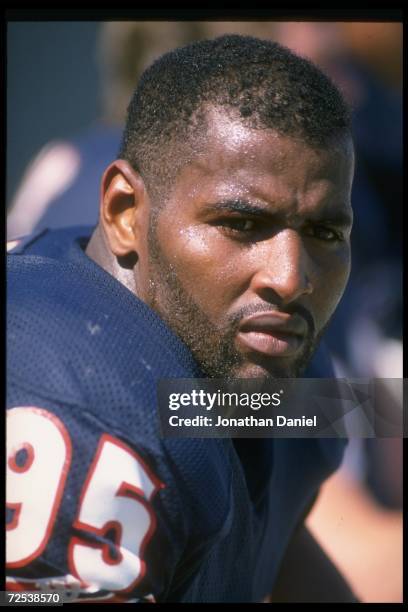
68, 86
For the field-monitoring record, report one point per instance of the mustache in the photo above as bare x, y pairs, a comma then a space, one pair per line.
291, 309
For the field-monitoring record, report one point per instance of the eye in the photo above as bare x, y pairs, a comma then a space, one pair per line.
238, 225
321, 232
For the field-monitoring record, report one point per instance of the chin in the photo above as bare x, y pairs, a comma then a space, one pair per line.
256, 370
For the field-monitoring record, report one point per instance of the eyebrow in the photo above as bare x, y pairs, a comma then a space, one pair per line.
339, 217
241, 206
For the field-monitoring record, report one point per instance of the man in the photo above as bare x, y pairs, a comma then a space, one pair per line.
222, 250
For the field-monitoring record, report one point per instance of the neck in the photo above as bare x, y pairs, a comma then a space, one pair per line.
98, 250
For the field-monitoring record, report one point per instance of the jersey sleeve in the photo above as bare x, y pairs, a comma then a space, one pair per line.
97, 503
89, 510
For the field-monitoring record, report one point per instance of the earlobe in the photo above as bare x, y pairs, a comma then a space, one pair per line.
122, 196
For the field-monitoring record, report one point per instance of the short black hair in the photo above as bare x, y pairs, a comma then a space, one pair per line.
264, 83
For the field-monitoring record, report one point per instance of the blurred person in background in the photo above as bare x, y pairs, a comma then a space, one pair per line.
61, 188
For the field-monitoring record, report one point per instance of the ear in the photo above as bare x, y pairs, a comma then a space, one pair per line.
124, 205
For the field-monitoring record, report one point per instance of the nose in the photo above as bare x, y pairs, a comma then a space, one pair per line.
284, 269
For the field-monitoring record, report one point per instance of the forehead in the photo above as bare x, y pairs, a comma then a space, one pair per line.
233, 160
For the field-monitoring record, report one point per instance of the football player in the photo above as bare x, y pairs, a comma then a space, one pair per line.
222, 250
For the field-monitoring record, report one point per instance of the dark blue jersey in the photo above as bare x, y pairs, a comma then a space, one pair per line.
97, 501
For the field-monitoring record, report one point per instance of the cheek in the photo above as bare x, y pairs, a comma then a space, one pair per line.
205, 264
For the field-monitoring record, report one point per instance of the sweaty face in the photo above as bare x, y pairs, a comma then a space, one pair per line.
250, 255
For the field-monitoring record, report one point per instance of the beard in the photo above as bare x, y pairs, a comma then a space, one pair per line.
213, 345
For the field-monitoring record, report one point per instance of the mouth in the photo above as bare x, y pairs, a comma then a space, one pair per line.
273, 334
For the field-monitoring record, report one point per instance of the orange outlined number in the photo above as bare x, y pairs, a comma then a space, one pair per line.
114, 503
115, 500
38, 460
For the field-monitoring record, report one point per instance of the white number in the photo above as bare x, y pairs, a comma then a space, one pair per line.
114, 499
38, 459
114, 504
